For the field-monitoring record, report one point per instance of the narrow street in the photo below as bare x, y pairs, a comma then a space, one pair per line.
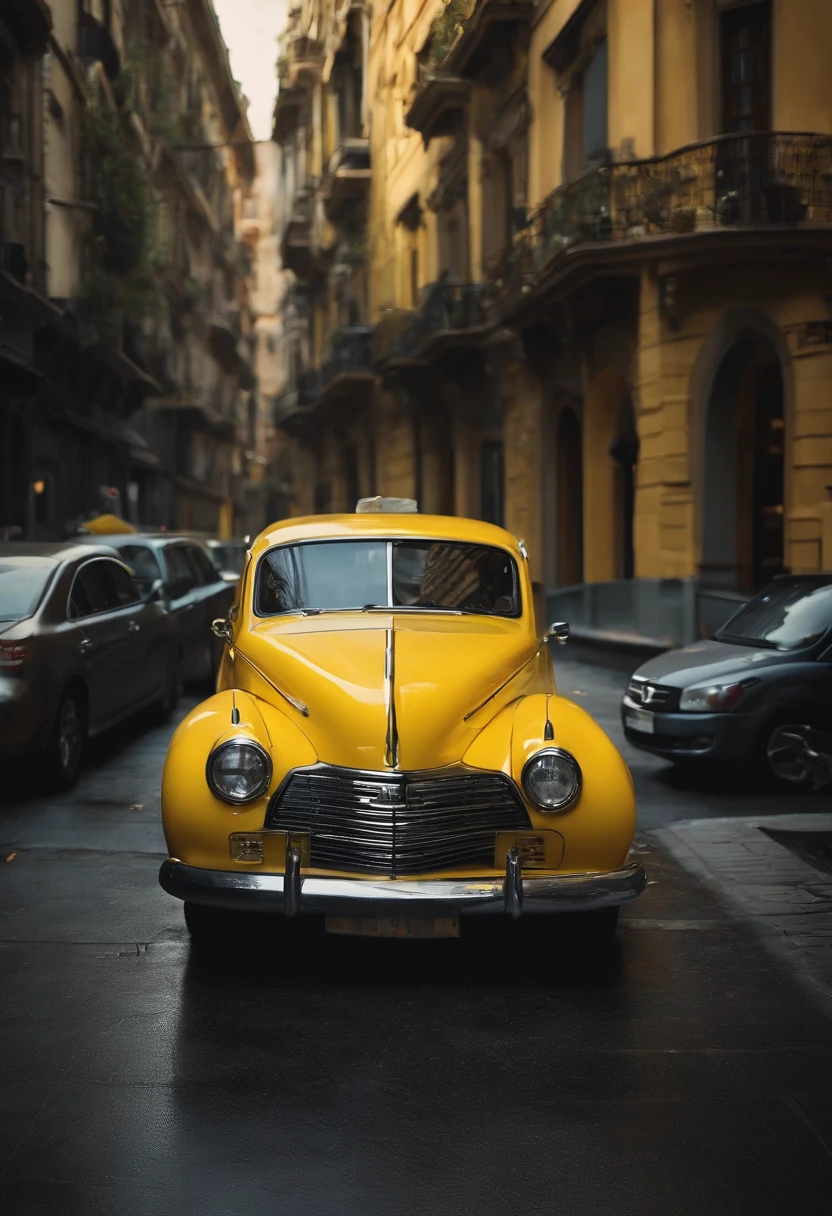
691, 1073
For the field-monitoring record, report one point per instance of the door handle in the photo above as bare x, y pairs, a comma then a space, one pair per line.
134, 626
85, 645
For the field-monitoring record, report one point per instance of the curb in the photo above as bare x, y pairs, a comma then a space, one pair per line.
785, 900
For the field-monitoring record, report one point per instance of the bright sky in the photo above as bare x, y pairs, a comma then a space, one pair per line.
250, 29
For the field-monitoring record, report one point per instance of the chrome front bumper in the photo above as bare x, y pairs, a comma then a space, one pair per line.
294, 893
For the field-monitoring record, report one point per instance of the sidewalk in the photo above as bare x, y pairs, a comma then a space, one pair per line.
772, 885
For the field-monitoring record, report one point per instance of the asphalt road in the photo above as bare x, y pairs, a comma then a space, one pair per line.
685, 1074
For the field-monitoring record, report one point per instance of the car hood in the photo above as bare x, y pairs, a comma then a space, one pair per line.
704, 661
442, 670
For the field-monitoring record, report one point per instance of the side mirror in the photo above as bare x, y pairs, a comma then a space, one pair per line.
156, 592
221, 629
559, 631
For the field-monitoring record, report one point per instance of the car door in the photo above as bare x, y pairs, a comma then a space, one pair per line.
181, 581
216, 594
99, 634
144, 655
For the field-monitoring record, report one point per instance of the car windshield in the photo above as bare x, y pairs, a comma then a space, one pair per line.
230, 557
22, 581
414, 575
786, 615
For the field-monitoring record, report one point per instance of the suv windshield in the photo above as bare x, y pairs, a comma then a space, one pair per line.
22, 580
419, 574
787, 615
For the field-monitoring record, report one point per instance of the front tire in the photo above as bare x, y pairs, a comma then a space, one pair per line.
796, 756
69, 736
169, 700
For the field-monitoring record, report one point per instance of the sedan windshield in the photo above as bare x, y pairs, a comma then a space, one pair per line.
412, 575
786, 616
22, 581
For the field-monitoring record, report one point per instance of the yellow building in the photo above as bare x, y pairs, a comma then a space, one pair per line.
599, 285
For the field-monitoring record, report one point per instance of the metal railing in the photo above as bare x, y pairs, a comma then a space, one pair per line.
352, 351
765, 179
444, 307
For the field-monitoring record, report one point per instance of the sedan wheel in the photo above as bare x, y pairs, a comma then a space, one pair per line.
68, 738
800, 755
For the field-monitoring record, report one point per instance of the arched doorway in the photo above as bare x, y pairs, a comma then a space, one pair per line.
570, 500
742, 536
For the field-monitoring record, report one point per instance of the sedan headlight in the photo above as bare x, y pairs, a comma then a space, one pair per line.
712, 698
239, 771
552, 779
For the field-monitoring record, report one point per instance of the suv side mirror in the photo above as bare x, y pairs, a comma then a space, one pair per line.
559, 631
221, 629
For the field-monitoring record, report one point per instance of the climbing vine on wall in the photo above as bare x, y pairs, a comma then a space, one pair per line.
447, 27
122, 222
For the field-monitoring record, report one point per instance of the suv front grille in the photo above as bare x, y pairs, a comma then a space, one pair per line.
397, 823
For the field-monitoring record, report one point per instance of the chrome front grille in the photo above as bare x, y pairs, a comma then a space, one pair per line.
397, 823
645, 693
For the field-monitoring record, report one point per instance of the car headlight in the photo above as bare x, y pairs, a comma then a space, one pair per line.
552, 779
239, 771
712, 698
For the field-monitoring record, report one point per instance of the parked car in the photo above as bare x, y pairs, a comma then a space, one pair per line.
191, 589
387, 746
228, 556
759, 692
80, 650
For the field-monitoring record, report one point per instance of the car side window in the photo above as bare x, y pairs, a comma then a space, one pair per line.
181, 575
203, 566
123, 588
91, 591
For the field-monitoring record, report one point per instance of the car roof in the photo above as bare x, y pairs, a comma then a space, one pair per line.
53, 553
378, 525
152, 540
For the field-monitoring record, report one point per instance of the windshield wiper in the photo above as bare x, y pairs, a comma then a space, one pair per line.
762, 643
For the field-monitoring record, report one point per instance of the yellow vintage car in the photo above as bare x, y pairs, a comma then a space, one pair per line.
387, 748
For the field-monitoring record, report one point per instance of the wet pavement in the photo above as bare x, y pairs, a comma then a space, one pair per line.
689, 1072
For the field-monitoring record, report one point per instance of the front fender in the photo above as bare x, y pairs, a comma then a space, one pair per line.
196, 823
598, 829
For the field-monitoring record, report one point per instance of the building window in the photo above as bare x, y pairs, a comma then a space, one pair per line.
745, 36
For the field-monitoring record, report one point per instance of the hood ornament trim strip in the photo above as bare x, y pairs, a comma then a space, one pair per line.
505, 683
298, 705
391, 743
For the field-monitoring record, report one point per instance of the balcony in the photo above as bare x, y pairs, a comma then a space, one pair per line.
224, 335
484, 35
438, 106
97, 45
348, 373
348, 178
306, 61
30, 22
296, 246
758, 184
287, 112
450, 317
293, 409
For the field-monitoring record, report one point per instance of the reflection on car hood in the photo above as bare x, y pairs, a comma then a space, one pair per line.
336, 667
709, 660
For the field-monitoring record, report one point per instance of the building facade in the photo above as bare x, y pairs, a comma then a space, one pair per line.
598, 287
126, 158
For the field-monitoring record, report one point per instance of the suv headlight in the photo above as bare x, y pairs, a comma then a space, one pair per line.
712, 698
239, 771
552, 779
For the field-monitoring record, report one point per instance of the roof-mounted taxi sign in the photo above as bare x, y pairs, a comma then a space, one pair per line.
387, 506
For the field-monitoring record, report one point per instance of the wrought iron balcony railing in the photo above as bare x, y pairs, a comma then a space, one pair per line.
755, 180
352, 351
444, 308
